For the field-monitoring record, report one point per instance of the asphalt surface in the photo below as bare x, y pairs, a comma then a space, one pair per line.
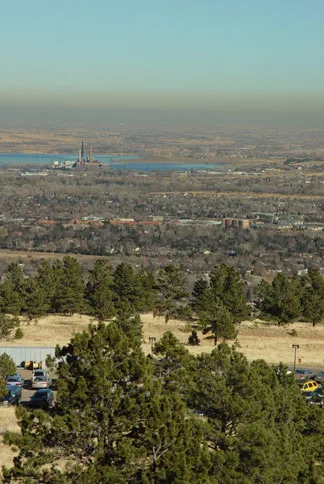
26, 391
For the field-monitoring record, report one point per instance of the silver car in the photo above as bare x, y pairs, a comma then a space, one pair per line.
41, 382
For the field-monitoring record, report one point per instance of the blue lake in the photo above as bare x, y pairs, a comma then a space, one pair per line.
115, 162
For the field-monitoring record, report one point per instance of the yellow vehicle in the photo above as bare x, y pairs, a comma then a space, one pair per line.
309, 386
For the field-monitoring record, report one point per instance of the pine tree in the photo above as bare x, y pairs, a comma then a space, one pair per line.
47, 278
193, 339
36, 302
146, 294
218, 321
99, 291
226, 286
125, 287
69, 296
12, 290
312, 299
171, 291
7, 325
252, 419
280, 299
7, 367
201, 296
100, 389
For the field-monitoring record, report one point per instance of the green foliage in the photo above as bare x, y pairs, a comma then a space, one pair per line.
251, 419
171, 292
12, 290
69, 295
123, 417
47, 278
7, 325
227, 287
132, 290
218, 321
193, 339
293, 332
7, 366
35, 302
131, 327
280, 300
99, 291
201, 296
19, 334
312, 299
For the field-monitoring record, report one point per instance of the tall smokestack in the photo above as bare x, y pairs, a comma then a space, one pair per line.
90, 154
82, 153
79, 157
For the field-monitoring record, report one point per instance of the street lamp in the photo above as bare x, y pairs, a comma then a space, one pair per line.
295, 347
152, 340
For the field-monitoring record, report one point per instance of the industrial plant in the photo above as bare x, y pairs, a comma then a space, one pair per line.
82, 160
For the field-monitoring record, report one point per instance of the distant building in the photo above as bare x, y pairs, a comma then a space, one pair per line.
237, 223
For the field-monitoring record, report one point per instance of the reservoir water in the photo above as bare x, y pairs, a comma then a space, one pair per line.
115, 162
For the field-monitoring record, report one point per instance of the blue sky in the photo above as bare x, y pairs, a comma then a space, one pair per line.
129, 50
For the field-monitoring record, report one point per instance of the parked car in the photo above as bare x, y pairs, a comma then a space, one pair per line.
12, 397
317, 399
304, 374
310, 387
43, 398
15, 380
41, 382
38, 374
319, 377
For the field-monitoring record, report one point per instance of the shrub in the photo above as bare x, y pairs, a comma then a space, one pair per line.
19, 333
193, 339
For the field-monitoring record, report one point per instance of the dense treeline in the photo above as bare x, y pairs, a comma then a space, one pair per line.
218, 301
123, 417
287, 299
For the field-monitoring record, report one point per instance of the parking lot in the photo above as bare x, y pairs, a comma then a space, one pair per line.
27, 391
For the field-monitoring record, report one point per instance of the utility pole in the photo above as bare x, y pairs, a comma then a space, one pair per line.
295, 348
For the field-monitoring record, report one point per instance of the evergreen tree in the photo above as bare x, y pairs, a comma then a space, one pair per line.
173, 442
218, 321
69, 297
193, 339
36, 302
174, 365
132, 327
100, 384
125, 288
146, 298
201, 296
47, 278
12, 290
121, 417
312, 300
252, 420
7, 325
280, 299
7, 367
171, 291
99, 291
226, 286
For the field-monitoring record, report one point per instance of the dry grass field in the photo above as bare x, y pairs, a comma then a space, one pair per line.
8, 421
256, 339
